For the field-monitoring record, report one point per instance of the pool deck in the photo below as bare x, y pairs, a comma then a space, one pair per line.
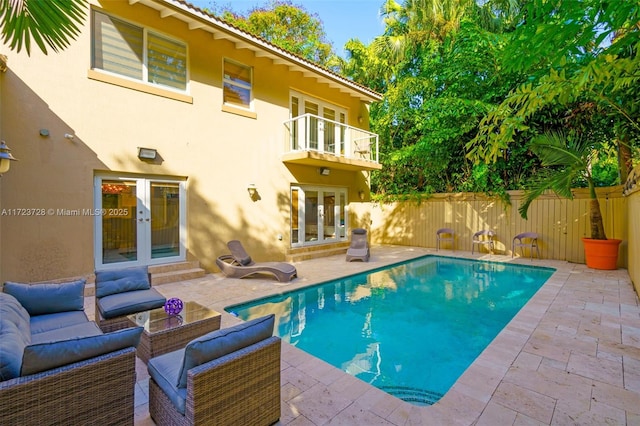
571, 356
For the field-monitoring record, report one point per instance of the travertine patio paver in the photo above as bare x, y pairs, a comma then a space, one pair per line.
571, 356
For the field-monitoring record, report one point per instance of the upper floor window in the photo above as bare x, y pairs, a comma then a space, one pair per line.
237, 85
131, 51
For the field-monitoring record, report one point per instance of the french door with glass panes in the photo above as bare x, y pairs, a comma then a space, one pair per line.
318, 215
138, 221
323, 130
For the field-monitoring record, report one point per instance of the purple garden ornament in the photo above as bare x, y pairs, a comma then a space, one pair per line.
173, 306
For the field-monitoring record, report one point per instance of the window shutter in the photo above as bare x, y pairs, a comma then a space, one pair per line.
167, 64
117, 46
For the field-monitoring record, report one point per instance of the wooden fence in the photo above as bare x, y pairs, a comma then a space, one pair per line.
560, 223
632, 191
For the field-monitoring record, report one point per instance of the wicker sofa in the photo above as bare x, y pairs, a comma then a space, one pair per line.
56, 366
227, 377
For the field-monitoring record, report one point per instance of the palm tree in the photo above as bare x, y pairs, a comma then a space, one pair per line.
52, 23
565, 158
413, 24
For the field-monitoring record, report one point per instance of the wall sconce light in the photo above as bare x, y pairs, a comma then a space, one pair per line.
361, 195
69, 136
5, 157
360, 119
325, 171
146, 153
251, 188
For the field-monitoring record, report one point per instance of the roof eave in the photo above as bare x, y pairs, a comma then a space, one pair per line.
198, 19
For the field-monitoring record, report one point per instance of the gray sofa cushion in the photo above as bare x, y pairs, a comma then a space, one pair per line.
165, 369
222, 342
47, 322
47, 298
14, 336
121, 280
86, 329
45, 356
116, 305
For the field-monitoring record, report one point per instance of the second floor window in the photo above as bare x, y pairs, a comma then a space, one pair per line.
237, 85
131, 51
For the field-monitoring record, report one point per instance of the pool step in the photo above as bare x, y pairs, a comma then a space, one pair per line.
413, 395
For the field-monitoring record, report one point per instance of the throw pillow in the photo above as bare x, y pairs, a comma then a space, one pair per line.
48, 298
121, 280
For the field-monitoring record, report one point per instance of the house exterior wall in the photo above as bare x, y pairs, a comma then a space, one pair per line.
217, 153
560, 223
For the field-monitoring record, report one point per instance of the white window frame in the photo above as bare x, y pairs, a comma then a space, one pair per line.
144, 78
231, 82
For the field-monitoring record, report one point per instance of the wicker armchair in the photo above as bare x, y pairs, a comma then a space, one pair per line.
133, 291
241, 388
97, 391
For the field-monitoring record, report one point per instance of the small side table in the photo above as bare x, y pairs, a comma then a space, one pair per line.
166, 333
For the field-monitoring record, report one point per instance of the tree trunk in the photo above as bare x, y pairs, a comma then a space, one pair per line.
595, 217
624, 158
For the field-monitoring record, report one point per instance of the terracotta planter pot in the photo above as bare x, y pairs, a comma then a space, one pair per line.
601, 254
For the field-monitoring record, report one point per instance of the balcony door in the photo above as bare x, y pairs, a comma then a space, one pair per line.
138, 221
318, 215
324, 128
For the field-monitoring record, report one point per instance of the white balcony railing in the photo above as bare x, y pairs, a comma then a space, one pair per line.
309, 132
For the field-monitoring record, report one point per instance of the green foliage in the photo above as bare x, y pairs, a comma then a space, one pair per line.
565, 158
581, 52
286, 25
433, 104
47, 23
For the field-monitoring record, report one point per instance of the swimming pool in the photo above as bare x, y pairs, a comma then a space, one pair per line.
410, 329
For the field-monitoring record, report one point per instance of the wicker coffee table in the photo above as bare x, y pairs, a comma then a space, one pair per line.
165, 333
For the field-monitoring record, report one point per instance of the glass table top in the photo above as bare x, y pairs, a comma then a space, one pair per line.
157, 319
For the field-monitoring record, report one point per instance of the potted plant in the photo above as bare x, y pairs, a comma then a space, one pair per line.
566, 158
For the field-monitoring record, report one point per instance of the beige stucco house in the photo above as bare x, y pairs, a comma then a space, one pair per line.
161, 133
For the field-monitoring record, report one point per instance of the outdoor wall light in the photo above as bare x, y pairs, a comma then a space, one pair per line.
251, 188
361, 195
325, 171
147, 153
5, 157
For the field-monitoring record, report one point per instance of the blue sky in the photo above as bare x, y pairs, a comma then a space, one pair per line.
342, 19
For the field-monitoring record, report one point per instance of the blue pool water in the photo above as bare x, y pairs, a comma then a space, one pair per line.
410, 329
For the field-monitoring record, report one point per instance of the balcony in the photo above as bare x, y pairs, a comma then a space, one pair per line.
316, 141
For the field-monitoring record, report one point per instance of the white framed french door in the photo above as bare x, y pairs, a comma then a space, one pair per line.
318, 215
138, 221
323, 130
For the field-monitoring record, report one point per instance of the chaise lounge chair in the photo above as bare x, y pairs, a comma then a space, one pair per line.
239, 264
359, 247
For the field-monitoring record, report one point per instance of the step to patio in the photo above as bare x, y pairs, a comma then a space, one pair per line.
174, 272
297, 255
